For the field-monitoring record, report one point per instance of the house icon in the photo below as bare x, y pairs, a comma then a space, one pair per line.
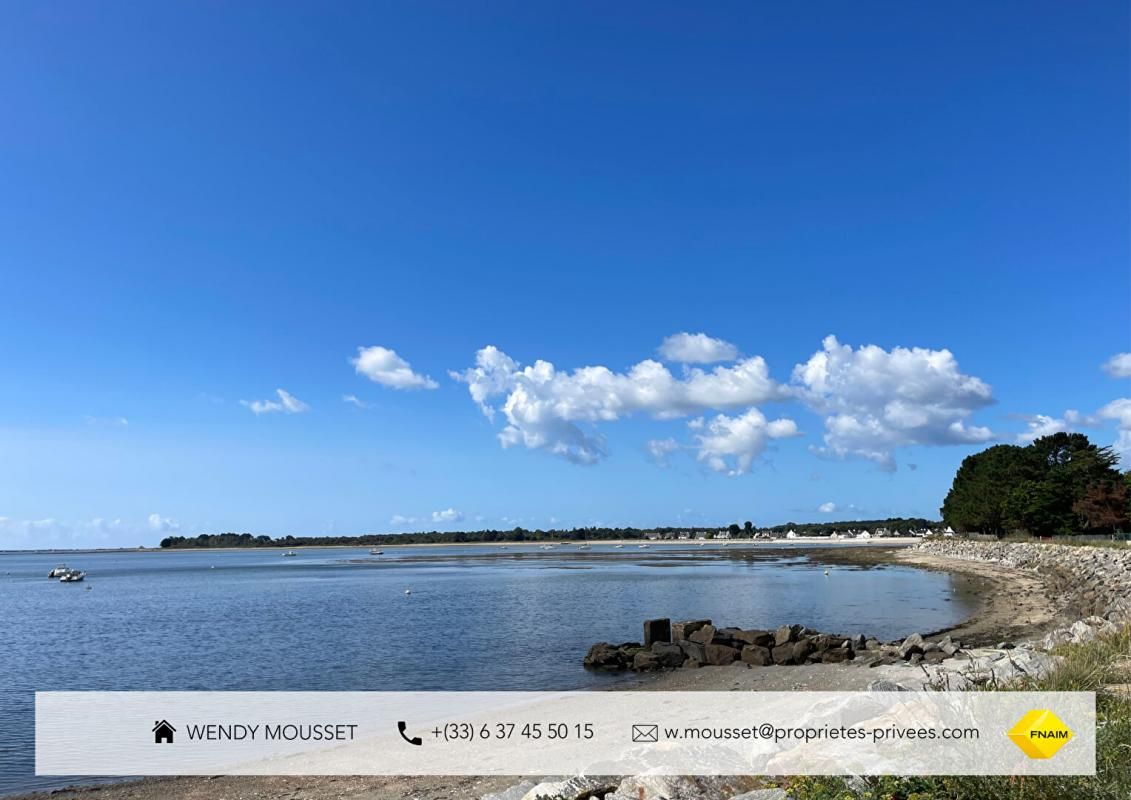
163, 732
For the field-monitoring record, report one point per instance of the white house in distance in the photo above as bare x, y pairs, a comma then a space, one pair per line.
864, 535
792, 534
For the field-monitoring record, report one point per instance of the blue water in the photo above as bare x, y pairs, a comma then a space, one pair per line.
339, 619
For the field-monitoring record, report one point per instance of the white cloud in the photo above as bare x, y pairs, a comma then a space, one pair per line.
875, 400
286, 404
659, 450
161, 524
447, 515
696, 348
730, 444
1119, 365
400, 519
1120, 411
384, 366
544, 407
827, 508
108, 422
355, 401
1041, 425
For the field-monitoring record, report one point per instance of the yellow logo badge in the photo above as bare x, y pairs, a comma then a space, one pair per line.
1040, 734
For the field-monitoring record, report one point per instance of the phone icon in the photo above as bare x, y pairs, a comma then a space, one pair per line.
414, 740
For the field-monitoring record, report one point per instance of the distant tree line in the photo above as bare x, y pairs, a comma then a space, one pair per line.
1058, 485
587, 534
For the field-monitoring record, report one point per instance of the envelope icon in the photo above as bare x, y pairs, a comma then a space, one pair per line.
645, 733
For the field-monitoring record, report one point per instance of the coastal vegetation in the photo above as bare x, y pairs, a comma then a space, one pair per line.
586, 534
1060, 485
1102, 666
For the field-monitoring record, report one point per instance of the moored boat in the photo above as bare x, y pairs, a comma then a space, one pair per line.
72, 576
59, 571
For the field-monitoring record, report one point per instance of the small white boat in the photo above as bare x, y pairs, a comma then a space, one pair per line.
547, 547
289, 553
376, 552
72, 576
584, 547
619, 546
59, 571
642, 546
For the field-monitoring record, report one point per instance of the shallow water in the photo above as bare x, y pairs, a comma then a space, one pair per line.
339, 619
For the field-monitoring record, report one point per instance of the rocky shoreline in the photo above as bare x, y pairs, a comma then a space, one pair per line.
1081, 582
698, 643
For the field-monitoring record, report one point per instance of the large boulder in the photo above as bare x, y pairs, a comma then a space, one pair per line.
669, 654
645, 661
719, 655
782, 654
683, 630
657, 630
757, 656
604, 656
694, 651
704, 635
788, 633
801, 650
576, 788
912, 645
836, 655
755, 637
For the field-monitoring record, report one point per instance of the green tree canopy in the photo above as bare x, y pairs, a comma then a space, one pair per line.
1060, 484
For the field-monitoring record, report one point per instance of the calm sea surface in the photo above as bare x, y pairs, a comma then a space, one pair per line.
339, 619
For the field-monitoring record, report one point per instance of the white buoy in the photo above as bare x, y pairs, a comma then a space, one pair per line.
826, 572
408, 591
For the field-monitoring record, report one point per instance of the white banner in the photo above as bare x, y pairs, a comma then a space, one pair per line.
551, 733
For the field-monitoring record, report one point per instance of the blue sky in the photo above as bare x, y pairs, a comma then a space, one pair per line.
203, 204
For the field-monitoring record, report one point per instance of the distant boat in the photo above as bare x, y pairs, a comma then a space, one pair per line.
59, 571
642, 546
376, 552
72, 576
547, 547
619, 546
289, 553
584, 547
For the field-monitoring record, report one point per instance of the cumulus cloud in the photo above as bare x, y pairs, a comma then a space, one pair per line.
1041, 425
827, 508
545, 408
696, 348
659, 450
730, 444
400, 519
875, 400
286, 404
1119, 365
446, 516
382, 365
1120, 411
160, 524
